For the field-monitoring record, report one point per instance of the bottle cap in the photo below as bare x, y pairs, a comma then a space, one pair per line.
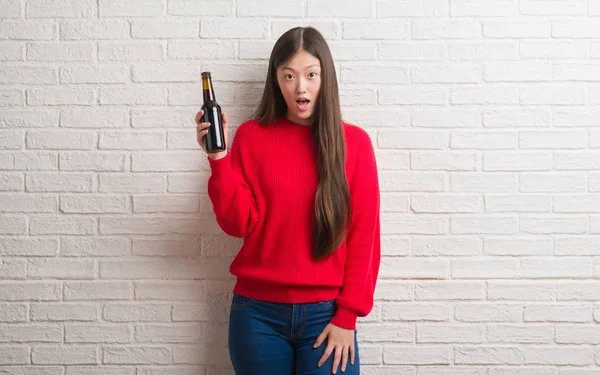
205, 73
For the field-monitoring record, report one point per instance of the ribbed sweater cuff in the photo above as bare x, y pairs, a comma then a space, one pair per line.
344, 318
220, 166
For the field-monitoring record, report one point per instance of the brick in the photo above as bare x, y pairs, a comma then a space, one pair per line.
138, 183
433, 334
64, 355
484, 225
518, 72
100, 370
12, 51
585, 28
412, 8
29, 247
488, 140
565, 355
149, 226
97, 247
471, 182
167, 161
351, 97
11, 182
63, 51
443, 30
478, 8
164, 30
10, 9
60, 140
517, 161
576, 160
483, 51
14, 355
456, 73
31, 118
12, 98
61, 269
553, 7
471, 313
170, 333
515, 118
576, 246
563, 139
136, 312
94, 118
93, 161
186, 182
444, 118
13, 313
381, 29
245, 29
424, 355
61, 96
13, 224
444, 161
168, 203
100, 204
134, 8
28, 75
136, 355
525, 246
169, 290
265, 8
415, 312
575, 72
558, 313
418, 181
30, 291
72, 225
452, 246
130, 51
337, 8
420, 268
11, 139
488, 355
144, 269
13, 269
32, 333
521, 291
86, 30
166, 72
166, 247
441, 203
181, 140
572, 49
26, 370
204, 49
52, 182
62, 312
415, 51
518, 203
554, 95
494, 269
201, 8
132, 95
174, 370
199, 312
330, 30
484, 95
374, 74
97, 290
60, 8
553, 183
525, 30
201, 355
96, 74
556, 224
27, 30
97, 333
413, 95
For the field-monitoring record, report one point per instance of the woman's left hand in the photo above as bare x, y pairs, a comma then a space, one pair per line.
339, 339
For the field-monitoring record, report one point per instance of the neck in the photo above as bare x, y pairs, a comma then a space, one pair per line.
307, 122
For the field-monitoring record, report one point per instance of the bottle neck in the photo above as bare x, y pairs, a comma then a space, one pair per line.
207, 89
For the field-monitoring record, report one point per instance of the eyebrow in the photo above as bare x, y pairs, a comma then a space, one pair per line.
309, 66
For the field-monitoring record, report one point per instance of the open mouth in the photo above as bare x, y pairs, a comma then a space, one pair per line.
302, 104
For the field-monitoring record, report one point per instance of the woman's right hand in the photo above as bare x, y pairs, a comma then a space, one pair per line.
202, 130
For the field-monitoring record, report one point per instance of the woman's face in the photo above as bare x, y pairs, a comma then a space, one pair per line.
300, 84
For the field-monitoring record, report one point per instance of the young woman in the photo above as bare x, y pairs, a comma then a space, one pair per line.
301, 187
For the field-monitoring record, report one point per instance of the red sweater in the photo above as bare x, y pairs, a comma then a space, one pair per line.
264, 190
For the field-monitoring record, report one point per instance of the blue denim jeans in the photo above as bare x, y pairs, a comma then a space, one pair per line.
267, 338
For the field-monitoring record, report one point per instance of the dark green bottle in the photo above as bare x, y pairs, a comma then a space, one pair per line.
214, 140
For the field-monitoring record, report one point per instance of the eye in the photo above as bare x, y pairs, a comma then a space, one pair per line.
289, 76
312, 74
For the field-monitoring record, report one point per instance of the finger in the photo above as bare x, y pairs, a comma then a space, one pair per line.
352, 354
337, 357
224, 116
320, 339
326, 355
199, 116
344, 359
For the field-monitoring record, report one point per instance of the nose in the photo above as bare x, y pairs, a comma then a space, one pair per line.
301, 86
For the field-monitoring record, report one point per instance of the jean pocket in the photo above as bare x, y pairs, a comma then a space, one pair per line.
241, 301
328, 305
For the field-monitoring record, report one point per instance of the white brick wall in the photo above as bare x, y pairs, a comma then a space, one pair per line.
485, 119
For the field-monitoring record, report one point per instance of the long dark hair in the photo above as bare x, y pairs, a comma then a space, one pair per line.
332, 200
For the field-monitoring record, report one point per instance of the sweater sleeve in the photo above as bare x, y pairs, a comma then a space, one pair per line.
363, 240
233, 202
